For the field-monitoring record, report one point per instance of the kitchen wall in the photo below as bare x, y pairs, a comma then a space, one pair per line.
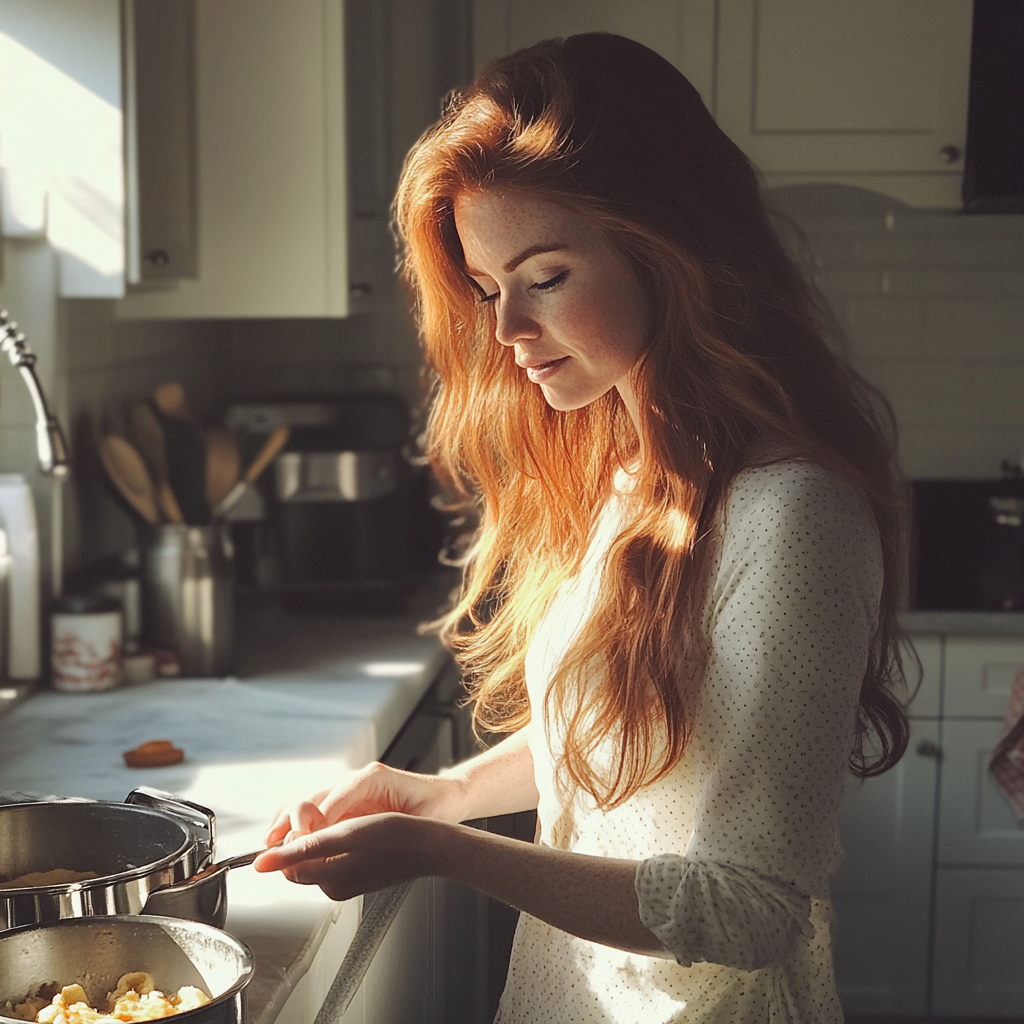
932, 303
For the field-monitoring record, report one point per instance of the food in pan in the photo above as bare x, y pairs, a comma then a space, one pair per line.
135, 999
153, 754
58, 876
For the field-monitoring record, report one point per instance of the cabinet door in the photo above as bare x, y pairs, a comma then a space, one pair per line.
979, 673
976, 823
270, 165
979, 943
882, 891
867, 92
682, 31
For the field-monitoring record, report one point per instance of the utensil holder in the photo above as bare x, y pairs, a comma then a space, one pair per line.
188, 595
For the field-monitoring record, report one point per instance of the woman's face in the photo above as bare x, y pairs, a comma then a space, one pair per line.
564, 301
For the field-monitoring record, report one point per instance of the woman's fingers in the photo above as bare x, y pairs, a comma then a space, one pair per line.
354, 856
301, 817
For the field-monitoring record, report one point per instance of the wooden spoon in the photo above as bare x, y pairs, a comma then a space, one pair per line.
273, 444
223, 465
170, 399
149, 439
129, 475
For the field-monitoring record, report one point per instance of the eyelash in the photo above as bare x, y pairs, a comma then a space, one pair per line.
541, 286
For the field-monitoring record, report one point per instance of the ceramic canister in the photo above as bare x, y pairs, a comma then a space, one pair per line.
86, 651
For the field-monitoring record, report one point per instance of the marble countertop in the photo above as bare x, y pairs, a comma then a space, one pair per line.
964, 623
314, 695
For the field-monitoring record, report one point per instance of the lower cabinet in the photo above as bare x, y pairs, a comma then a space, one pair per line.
433, 965
930, 896
882, 892
979, 942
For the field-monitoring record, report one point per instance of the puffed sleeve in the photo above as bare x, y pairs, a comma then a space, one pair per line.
791, 613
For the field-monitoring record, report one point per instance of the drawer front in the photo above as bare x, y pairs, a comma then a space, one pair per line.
926, 702
979, 672
979, 944
977, 826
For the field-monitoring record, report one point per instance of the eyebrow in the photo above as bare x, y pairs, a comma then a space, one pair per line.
522, 257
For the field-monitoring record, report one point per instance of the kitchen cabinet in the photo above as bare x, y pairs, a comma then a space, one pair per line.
931, 891
872, 94
883, 890
303, 112
869, 93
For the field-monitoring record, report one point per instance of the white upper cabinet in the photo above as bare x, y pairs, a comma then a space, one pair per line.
682, 31
270, 192
61, 165
863, 92
867, 92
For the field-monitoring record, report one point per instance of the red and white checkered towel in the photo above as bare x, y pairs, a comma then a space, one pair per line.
1007, 764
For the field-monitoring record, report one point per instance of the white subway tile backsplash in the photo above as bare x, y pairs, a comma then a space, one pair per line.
924, 281
934, 408
996, 282
989, 248
999, 377
1000, 408
849, 283
943, 335
887, 250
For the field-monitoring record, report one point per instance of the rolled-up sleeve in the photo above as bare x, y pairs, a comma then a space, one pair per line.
790, 617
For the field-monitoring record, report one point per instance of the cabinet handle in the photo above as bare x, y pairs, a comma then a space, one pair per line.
361, 288
949, 154
926, 748
158, 258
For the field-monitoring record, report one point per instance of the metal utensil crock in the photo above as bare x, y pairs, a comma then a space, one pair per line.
95, 952
188, 595
136, 848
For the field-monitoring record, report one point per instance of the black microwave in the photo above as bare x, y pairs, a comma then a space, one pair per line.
967, 545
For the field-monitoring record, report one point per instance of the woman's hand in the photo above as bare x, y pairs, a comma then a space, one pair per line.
374, 790
357, 855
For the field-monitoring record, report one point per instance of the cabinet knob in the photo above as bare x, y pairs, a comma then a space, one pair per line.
158, 258
950, 154
926, 748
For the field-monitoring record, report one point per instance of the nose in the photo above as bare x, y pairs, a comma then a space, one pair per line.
513, 322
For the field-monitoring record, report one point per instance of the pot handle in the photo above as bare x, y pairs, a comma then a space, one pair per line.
200, 821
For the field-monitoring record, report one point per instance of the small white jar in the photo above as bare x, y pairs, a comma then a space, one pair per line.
86, 644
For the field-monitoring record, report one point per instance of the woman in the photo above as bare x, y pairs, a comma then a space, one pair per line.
681, 598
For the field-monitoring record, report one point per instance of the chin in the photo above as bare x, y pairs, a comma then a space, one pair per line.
567, 403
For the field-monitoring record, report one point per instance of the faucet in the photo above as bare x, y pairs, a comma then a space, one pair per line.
50, 444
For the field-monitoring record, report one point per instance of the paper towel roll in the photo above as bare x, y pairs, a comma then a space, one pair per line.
18, 512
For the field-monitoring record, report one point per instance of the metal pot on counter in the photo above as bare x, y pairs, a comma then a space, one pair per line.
151, 854
96, 952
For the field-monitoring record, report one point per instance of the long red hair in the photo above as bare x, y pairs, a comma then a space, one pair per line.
737, 362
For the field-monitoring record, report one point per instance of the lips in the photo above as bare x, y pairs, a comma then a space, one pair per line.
538, 372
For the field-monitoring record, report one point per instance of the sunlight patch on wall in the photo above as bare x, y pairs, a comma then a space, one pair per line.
62, 169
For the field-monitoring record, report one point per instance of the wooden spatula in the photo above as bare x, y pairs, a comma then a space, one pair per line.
148, 436
129, 475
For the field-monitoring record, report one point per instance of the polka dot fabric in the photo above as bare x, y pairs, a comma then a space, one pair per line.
736, 845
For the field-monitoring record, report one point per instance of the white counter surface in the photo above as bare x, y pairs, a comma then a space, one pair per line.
329, 696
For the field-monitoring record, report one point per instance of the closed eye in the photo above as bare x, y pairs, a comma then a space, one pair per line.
551, 282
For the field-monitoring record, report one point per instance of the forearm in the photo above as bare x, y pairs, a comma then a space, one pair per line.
590, 897
498, 781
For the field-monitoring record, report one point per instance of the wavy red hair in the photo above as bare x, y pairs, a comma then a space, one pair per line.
737, 363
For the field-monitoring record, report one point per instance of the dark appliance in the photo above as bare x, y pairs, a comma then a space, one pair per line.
968, 545
994, 159
342, 509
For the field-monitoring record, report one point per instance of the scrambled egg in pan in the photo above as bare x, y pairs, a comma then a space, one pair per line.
134, 999
58, 876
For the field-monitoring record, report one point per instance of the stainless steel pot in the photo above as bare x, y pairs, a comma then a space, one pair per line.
150, 842
95, 952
